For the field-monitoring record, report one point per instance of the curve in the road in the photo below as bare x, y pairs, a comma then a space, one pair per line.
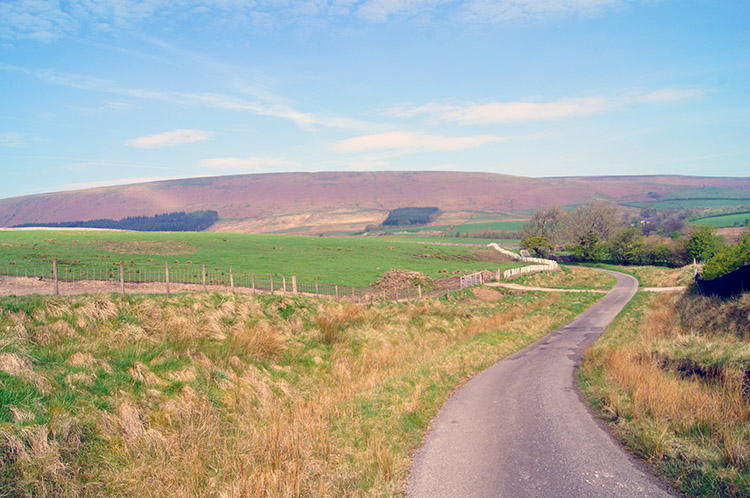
520, 429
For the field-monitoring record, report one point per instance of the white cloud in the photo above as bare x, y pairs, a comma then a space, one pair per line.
508, 112
414, 141
513, 112
248, 163
169, 138
668, 95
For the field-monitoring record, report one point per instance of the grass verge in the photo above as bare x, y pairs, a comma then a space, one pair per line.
655, 276
569, 277
223, 395
670, 376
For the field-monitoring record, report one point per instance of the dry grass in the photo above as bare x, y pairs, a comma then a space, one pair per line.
569, 277
674, 392
234, 396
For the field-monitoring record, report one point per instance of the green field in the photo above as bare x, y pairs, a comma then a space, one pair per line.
708, 193
725, 221
510, 226
355, 261
691, 203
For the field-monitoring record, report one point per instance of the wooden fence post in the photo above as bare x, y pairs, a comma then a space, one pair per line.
316, 289
294, 284
271, 283
122, 279
166, 276
337, 292
253, 283
54, 277
203, 275
420, 290
283, 283
231, 279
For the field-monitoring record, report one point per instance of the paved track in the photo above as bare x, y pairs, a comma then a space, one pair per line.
519, 429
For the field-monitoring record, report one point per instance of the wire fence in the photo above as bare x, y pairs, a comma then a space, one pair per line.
32, 279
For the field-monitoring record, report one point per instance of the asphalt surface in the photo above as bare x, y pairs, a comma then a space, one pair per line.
520, 428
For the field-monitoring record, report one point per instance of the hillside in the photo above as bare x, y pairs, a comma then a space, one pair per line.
345, 201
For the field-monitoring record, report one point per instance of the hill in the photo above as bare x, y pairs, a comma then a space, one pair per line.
310, 203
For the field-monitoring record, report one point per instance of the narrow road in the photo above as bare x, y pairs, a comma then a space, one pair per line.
520, 429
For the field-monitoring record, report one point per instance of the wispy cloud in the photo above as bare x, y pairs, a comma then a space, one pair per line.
512, 112
382, 10
47, 20
498, 11
271, 106
508, 112
411, 141
248, 163
169, 138
13, 139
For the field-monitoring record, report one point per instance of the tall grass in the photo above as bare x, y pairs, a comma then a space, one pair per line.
669, 377
233, 396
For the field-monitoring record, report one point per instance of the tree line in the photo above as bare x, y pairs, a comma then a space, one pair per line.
599, 232
179, 221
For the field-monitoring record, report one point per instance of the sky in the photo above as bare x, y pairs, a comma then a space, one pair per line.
106, 92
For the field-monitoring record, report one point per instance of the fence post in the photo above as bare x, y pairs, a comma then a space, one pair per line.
316, 289
203, 274
283, 283
294, 284
253, 283
54, 277
337, 292
166, 276
419, 286
271, 283
497, 276
122, 279
231, 279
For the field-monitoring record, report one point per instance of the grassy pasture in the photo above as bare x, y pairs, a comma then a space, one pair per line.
355, 261
691, 203
229, 395
708, 193
725, 221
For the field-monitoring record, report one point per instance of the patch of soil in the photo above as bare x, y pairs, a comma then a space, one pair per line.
486, 294
402, 279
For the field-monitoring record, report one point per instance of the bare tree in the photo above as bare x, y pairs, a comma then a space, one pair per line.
545, 222
592, 224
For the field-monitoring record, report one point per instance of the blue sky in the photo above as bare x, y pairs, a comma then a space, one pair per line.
101, 92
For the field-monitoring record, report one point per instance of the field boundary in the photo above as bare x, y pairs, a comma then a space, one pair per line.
53, 278
541, 264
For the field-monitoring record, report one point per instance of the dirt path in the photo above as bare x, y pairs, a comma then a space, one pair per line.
541, 289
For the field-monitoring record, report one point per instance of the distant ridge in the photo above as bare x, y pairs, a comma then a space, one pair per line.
340, 201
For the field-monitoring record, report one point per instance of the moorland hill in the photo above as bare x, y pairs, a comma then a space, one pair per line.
327, 202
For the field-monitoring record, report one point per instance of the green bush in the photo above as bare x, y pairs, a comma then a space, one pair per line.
728, 259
